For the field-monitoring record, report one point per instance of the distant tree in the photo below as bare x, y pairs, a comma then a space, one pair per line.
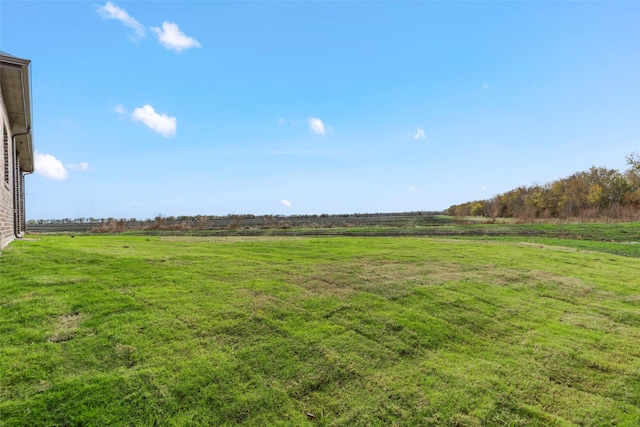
596, 192
477, 209
632, 176
633, 160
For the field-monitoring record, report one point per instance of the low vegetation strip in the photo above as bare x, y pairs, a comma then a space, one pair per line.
237, 222
232, 330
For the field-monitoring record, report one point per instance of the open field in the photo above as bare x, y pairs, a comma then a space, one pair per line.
616, 238
622, 238
239, 330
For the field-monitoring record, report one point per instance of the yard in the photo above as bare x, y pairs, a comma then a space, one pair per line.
330, 330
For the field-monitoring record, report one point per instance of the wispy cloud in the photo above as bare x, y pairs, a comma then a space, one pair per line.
84, 166
412, 188
285, 203
419, 134
111, 11
172, 38
316, 125
169, 35
487, 86
120, 109
159, 123
49, 167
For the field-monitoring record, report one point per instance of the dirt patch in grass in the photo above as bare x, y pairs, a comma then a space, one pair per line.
65, 327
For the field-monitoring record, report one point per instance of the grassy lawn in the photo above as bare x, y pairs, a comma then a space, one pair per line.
617, 237
206, 330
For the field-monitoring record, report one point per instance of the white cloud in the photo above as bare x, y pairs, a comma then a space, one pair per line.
412, 188
160, 123
483, 189
172, 38
285, 203
316, 125
487, 86
120, 109
111, 11
84, 166
419, 134
49, 167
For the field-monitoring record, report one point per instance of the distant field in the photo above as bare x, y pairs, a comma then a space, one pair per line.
241, 222
622, 238
493, 328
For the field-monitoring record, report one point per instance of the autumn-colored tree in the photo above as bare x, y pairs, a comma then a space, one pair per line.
632, 175
477, 209
594, 193
633, 160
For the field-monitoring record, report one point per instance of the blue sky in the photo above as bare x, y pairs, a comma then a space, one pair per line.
143, 108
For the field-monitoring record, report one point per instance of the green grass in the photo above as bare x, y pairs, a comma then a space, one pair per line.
617, 237
187, 330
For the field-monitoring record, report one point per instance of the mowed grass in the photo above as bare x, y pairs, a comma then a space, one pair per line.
182, 331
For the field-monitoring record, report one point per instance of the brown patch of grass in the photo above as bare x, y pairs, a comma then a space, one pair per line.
259, 300
126, 354
393, 280
65, 327
542, 246
124, 350
568, 286
26, 297
42, 386
590, 321
59, 280
227, 239
632, 299
326, 279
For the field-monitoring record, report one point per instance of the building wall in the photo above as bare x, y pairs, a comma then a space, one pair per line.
7, 173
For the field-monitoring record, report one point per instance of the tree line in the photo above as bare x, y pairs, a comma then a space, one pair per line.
596, 193
163, 219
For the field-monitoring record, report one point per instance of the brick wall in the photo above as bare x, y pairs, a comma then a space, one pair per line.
6, 188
